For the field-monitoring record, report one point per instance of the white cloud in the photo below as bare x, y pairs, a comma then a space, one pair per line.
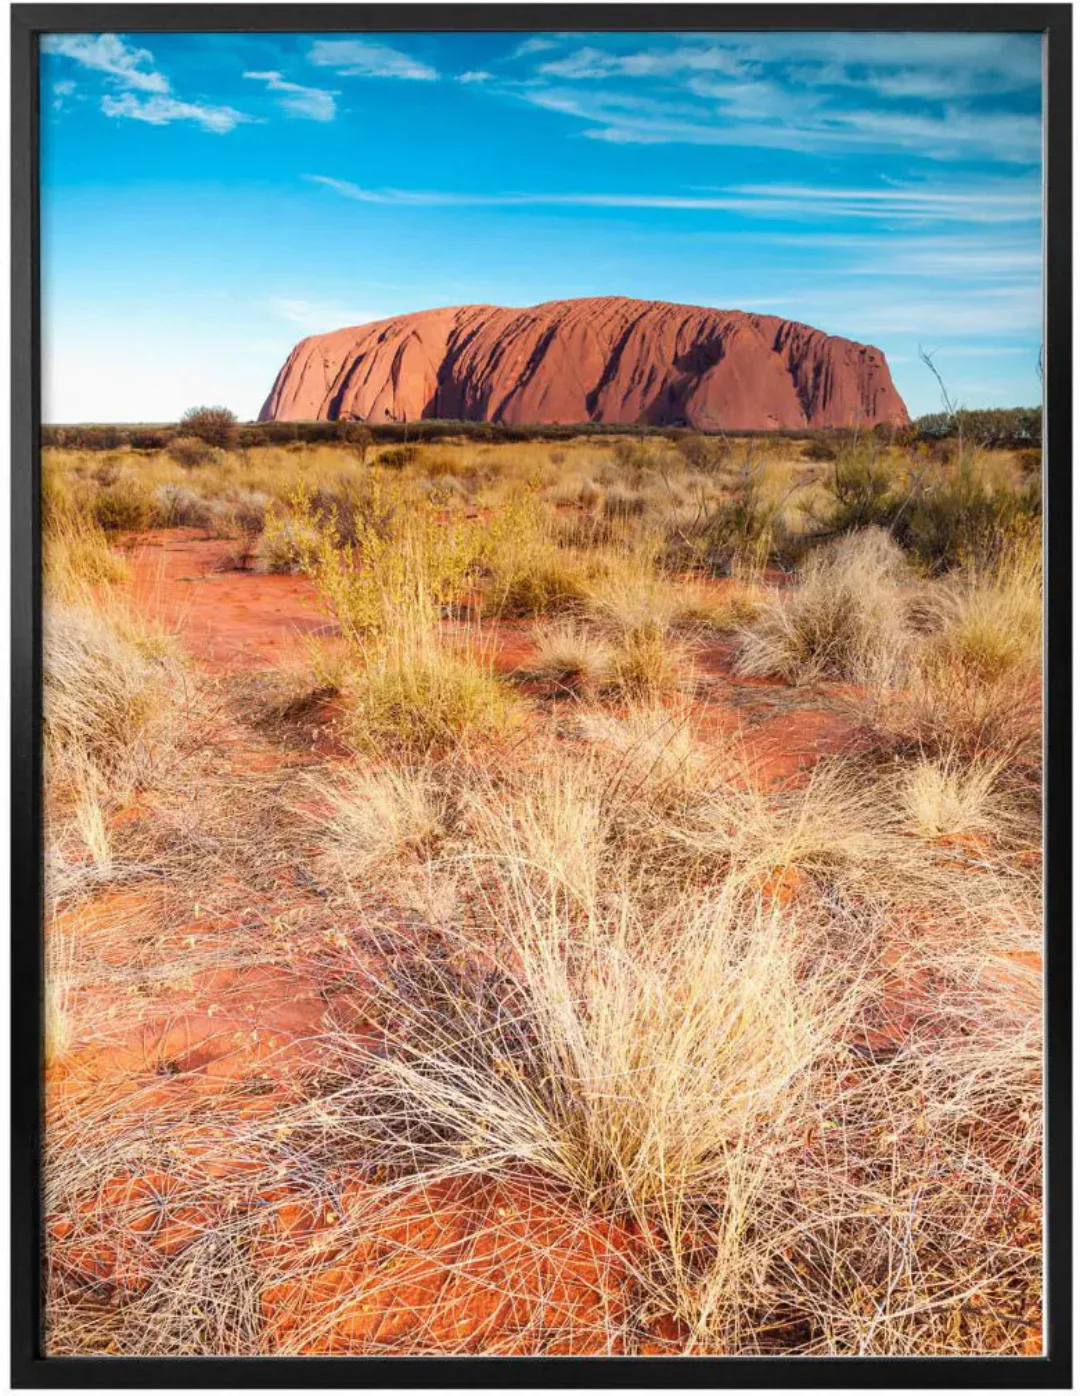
362, 58
475, 75
311, 103
163, 111
108, 53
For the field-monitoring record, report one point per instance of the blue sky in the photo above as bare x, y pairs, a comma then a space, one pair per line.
209, 199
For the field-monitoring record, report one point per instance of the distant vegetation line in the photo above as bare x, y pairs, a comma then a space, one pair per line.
1004, 427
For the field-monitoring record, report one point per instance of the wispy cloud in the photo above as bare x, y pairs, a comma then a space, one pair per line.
110, 54
772, 116
163, 111
363, 58
589, 63
539, 43
314, 317
938, 96
311, 103
476, 75
995, 202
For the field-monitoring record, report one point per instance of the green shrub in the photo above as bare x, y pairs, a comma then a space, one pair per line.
217, 426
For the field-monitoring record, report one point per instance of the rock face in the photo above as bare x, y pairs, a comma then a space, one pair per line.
606, 359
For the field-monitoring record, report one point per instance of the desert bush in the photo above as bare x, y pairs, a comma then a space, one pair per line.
287, 544
625, 504
632, 455
191, 451
733, 534
358, 437
216, 426
1008, 427
354, 509
148, 440
818, 449
125, 506
177, 507
398, 457
704, 453
844, 618
958, 519
862, 484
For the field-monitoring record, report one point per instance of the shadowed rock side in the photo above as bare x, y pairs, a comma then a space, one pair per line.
607, 359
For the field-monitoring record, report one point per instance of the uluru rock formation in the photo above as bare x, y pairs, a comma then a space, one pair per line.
605, 359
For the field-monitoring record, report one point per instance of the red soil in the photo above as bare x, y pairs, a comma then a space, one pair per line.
497, 1267
231, 619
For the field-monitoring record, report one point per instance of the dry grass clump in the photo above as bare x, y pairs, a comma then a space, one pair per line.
554, 819
834, 822
735, 607
569, 656
844, 618
640, 1066
949, 795
991, 617
415, 693
653, 751
124, 506
543, 582
975, 687
648, 664
79, 558
105, 683
376, 818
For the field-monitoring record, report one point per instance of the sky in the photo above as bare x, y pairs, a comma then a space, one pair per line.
209, 199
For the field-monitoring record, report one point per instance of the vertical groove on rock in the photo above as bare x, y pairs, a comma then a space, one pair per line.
605, 359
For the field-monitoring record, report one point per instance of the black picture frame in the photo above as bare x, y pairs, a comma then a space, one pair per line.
28, 1367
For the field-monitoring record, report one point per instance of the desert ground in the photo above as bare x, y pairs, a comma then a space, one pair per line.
573, 897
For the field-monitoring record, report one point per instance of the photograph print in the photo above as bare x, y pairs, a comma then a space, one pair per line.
542, 693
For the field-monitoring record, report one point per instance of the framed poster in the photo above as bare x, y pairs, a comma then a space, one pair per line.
534, 856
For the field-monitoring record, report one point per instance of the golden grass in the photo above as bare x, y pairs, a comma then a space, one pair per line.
569, 656
104, 685
844, 618
376, 818
950, 796
816, 1115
